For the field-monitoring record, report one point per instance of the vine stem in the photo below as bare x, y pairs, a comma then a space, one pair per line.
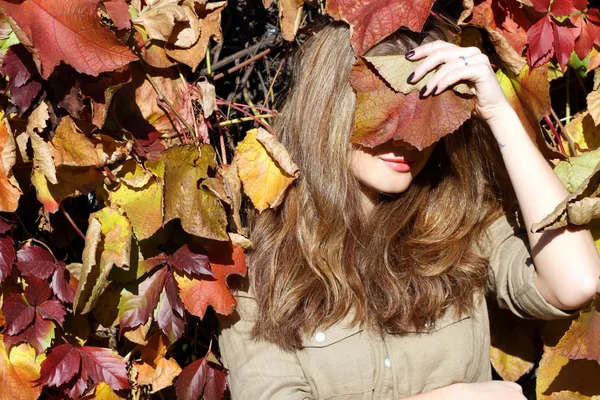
270, 92
162, 98
233, 105
558, 139
72, 222
243, 119
242, 65
229, 103
564, 131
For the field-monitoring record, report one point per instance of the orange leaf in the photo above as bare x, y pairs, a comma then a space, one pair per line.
9, 189
197, 294
18, 371
383, 114
582, 339
154, 368
371, 21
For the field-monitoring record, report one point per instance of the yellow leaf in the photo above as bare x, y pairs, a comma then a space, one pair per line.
42, 154
593, 102
107, 243
262, 173
583, 131
102, 392
18, 371
71, 147
9, 188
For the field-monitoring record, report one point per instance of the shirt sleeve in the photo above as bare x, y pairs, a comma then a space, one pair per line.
511, 271
258, 369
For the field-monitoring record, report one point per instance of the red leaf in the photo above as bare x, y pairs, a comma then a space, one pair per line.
19, 315
5, 226
119, 13
103, 365
372, 21
69, 31
170, 311
580, 4
564, 41
383, 114
38, 335
540, 42
586, 38
60, 284
199, 378
541, 5
52, 309
7, 256
34, 261
561, 8
137, 304
197, 294
61, 364
192, 263
25, 81
37, 291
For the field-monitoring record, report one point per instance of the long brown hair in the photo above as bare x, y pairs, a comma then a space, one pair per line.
318, 256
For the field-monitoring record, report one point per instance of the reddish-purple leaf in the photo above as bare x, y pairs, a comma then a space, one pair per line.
580, 4
38, 335
60, 284
37, 291
200, 378
149, 264
19, 315
138, 300
170, 311
103, 365
52, 309
586, 38
541, 5
191, 262
7, 256
24, 79
119, 13
540, 42
61, 364
5, 226
35, 261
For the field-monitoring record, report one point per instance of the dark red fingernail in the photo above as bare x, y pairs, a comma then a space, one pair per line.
423, 90
410, 54
434, 90
411, 76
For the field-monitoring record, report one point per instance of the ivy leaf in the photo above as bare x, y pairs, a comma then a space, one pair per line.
24, 82
139, 299
581, 341
372, 21
107, 244
170, 312
197, 294
36, 261
73, 369
119, 13
265, 168
188, 261
62, 30
18, 369
171, 22
540, 42
7, 256
593, 102
9, 187
29, 316
60, 284
383, 114
154, 368
199, 210
201, 378
102, 392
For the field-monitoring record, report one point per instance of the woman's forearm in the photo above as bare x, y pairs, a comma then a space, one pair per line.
566, 260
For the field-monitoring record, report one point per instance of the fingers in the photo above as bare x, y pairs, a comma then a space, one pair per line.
455, 71
443, 54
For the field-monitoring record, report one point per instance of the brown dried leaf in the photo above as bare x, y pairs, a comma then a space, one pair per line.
42, 154
154, 368
290, 16
71, 147
593, 102
10, 191
582, 339
207, 97
170, 22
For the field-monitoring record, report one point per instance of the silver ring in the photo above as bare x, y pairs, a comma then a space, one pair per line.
465, 60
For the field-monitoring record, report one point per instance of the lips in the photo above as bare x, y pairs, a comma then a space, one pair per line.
397, 164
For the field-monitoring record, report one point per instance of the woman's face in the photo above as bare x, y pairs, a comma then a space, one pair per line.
387, 168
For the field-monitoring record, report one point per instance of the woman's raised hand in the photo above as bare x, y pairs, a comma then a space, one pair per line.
466, 64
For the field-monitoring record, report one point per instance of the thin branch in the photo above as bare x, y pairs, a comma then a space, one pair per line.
242, 65
233, 57
72, 222
243, 119
558, 139
270, 92
565, 134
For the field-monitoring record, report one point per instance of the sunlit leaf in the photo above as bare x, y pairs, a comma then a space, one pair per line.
18, 371
204, 376
154, 368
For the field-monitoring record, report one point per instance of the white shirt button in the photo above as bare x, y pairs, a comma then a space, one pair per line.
387, 363
320, 336
429, 325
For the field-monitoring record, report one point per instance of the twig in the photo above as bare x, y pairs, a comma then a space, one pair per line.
230, 103
267, 126
229, 59
72, 222
45, 245
558, 139
564, 131
270, 92
23, 225
242, 65
243, 119
168, 103
208, 65
223, 149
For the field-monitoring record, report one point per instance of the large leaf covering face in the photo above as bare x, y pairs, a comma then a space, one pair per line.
385, 112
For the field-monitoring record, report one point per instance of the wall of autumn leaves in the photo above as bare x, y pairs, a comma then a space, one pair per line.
134, 131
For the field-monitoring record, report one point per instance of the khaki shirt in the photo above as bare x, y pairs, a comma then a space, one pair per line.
345, 362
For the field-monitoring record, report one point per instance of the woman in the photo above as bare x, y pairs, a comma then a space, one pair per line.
368, 281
